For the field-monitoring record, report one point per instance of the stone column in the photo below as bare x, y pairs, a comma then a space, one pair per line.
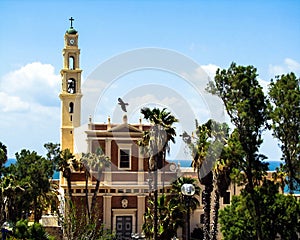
107, 175
107, 211
140, 213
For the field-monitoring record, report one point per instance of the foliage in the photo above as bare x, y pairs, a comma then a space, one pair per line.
25, 185
171, 210
279, 213
63, 161
156, 141
94, 165
3, 158
284, 94
24, 231
247, 108
155, 144
76, 227
213, 162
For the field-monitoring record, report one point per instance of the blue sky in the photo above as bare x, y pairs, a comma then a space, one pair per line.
265, 34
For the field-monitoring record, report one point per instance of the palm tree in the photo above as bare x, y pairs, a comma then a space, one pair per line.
157, 144
199, 150
280, 175
177, 198
207, 150
11, 190
95, 164
63, 161
171, 210
219, 133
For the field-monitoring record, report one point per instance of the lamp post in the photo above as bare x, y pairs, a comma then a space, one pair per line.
188, 190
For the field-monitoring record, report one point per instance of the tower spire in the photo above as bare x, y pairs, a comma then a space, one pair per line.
71, 20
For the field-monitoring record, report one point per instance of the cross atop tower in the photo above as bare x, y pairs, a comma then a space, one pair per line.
71, 20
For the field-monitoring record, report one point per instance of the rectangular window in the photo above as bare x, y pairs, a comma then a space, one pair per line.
226, 198
124, 158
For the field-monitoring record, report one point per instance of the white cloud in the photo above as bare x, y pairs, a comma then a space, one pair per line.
12, 103
292, 64
289, 65
33, 83
210, 69
29, 107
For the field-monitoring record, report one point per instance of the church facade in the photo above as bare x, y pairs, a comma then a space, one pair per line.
124, 186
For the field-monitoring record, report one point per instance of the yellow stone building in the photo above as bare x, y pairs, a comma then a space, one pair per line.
124, 188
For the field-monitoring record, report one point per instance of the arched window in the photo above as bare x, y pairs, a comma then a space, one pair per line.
71, 107
71, 63
71, 86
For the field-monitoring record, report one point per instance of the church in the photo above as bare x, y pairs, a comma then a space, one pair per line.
124, 186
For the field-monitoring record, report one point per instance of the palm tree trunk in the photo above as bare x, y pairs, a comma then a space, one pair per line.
35, 209
94, 198
155, 217
206, 208
87, 195
214, 230
67, 175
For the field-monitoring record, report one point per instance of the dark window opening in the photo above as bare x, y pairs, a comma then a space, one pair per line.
71, 118
226, 198
71, 107
71, 86
124, 158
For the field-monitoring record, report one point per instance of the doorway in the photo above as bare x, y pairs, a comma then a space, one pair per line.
123, 227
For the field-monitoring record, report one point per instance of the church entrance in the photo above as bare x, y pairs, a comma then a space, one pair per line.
123, 227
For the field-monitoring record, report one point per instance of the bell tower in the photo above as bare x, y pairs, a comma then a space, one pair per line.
70, 94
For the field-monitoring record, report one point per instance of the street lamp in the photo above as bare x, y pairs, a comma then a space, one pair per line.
188, 190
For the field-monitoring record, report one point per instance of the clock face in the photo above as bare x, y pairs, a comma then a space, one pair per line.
72, 41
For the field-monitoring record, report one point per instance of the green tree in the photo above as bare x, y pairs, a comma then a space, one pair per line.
199, 150
280, 215
75, 227
3, 159
213, 165
33, 172
171, 210
25, 231
178, 199
284, 94
10, 193
246, 106
94, 164
280, 175
63, 161
156, 143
